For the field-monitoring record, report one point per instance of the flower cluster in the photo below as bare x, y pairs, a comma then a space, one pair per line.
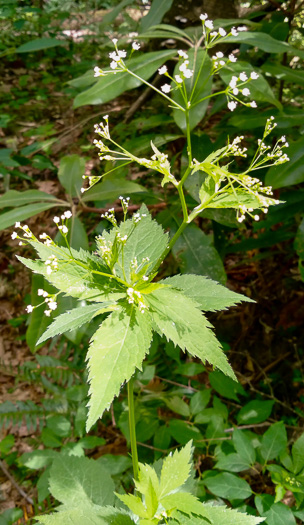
110, 216
117, 56
63, 226
124, 204
236, 88
213, 37
219, 61
105, 249
26, 233
136, 217
51, 264
234, 148
134, 296
49, 301
184, 72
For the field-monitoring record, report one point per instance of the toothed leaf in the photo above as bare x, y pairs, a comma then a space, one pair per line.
117, 348
180, 320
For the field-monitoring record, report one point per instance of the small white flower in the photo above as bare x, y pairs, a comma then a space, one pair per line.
232, 58
253, 104
45, 294
233, 82
232, 105
256, 218
40, 291
182, 53
254, 75
113, 65
243, 77
29, 308
166, 88
222, 31
219, 54
246, 92
97, 71
17, 225
114, 40
47, 313
162, 70
64, 230
222, 62
49, 270
14, 235
233, 31
82, 190
283, 138
68, 214
56, 220
52, 305
213, 34
135, 46
209, 24
188, 73
204, 16
178, 79
122, 54
235, 91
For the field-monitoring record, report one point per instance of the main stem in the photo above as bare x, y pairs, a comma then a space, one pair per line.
132, 428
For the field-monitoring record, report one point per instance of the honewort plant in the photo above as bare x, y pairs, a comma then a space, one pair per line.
120, 282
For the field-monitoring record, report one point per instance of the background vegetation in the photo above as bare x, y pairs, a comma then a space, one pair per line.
249, 446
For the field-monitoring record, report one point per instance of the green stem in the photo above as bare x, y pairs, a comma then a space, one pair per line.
155, 89
132, 428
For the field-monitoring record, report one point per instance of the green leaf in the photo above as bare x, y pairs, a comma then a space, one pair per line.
59, 425
243, 446
88, 516
110, 190
228, 486
260, 90
71, 170
254, 412
72, 320
135, 504
199, 401
184, 502
196, 254
177, 405
265, 42
38, 459
210, 295
155, 14
24, 212
290, 173
39, 44
74, 480
73, 275
293, 76
201, 65
274, 441
232, 463
297, 452
108, 18
225, 386
38, 322
275, 513
77, 236
111, 86
146, 240
18, 198
117, 348
220, 515
182, 431
178, 318
175, 470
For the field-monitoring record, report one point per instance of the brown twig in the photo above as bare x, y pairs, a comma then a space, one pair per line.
14, 482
